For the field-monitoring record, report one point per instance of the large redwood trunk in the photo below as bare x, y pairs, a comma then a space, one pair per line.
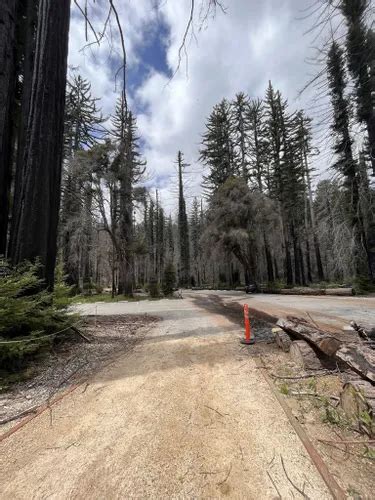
8, 19
26, 37
42, 158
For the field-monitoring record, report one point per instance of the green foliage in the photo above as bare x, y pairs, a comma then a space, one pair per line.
28, 313
369, 453
218, 151
362, 285
332, 415
106, 297
284, 389
153, 288
169, 279
183, 227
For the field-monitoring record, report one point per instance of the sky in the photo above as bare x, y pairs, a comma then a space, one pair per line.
253, 42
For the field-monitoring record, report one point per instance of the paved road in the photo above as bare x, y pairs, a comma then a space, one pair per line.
328, 311
185, 414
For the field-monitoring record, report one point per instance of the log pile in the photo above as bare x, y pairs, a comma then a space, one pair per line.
311, 347
343, 292
351, 350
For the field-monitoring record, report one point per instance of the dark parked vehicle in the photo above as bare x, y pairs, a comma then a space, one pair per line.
251, 288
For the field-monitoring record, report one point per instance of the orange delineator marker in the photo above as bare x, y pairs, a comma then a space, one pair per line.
248, 340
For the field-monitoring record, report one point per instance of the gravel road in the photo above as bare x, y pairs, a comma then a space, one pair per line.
185, 414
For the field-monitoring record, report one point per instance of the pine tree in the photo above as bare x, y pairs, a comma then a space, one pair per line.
183, 227
345, 163
361, 63
258, 144
160, 239
218, 150
277, 175
82, 129
195, 234
169, 279
304, 137
129, 167
170, 240
240, 119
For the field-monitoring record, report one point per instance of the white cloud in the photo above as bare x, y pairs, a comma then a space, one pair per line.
240, 51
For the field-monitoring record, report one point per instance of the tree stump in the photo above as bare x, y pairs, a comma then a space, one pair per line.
357, 399
283, 341
304, 355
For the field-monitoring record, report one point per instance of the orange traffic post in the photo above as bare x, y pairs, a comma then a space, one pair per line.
249, 339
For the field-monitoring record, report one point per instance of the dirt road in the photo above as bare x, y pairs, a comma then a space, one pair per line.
185, 414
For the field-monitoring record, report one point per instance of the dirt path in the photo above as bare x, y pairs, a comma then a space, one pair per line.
185, 414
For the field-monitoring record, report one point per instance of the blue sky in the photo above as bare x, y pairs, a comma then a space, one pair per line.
237, 51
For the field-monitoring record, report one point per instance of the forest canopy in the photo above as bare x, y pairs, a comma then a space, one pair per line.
76, 188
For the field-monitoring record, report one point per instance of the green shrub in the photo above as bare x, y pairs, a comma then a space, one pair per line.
362, 285
169, 279
29, 313
153, 288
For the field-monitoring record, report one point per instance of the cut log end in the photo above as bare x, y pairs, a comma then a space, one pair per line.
283, 341
357, 399
305, 356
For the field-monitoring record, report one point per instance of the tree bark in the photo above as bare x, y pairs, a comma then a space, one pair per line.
8, 19
357, 397
42, 157
283, 341
360, 358
270, 273
304, 355
26, 38
324, 341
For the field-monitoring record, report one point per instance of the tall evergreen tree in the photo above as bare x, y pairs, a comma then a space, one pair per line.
129, 167
218, 150
195, 234
278, 178
345, 163
361, 64
240, 118
183, 226
82, 129
258, 145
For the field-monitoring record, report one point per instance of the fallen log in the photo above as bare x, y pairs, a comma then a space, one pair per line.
357, 355
302, 291
343, 292
299, 328
357, 399
283, 341
304, 355
365, 332
360, 358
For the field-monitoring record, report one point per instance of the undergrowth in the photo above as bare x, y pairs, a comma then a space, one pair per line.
30, 316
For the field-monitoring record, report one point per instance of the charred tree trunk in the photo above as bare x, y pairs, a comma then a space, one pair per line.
125, 285
308, 261
36, 235
26, 35
8, 18
297, 267
270, 273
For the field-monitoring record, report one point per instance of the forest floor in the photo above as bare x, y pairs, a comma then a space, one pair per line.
186, 412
